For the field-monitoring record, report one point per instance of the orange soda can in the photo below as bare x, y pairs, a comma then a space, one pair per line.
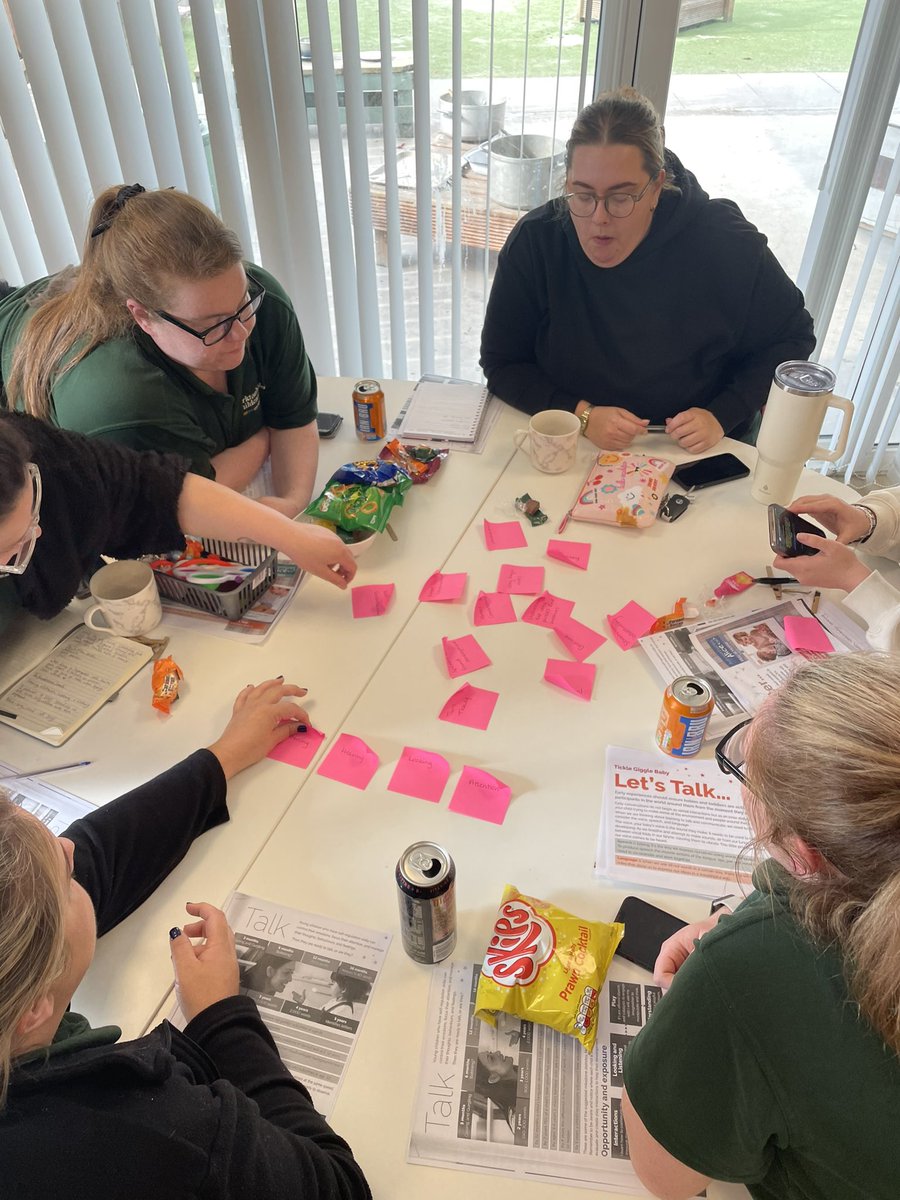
368, 411
686, 708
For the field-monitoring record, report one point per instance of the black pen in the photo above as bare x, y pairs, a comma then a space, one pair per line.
11, 716
776, 581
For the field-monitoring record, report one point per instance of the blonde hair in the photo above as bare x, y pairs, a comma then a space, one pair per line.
140, 245
824, 764
32, 922
622, 118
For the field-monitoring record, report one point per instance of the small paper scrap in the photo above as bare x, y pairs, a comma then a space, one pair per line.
629, 624
442, 589
520, 581
805, 633
420, 773
470, 706
350, 761
493, 608
547, 610
371, 600
504, 535
480, 794
577, 678
463, 655
299, 749
576, 554
580, 640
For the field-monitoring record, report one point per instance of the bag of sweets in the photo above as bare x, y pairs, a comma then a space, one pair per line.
544, 965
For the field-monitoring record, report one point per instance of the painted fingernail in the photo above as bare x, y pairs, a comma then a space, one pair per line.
302, 728
279, 677
174, 932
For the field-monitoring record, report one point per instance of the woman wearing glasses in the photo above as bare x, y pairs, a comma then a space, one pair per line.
774, 1058
164, 340
637, 301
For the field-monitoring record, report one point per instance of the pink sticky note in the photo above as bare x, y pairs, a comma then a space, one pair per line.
443, 588
504, 535
372, 599
463, 655
629, 624
805, 633
480, 794
547, 610
574, 677
493, 608
470, 706
576, 554
349, 761
520, 581
420, 773
299, 749
580, 640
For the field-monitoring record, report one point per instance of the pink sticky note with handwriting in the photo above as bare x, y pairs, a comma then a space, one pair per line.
520, 581
470, 706
576, 554
577, 678
805, 633
504, 535
299, 749
443, 588
480, 794
372, 599
420, 773
580, 640
629, 624
493, 608
349, 761
463, 655
547, 610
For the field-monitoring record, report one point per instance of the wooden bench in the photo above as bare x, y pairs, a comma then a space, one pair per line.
693, 12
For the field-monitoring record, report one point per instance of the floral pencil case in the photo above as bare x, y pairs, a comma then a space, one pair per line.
623, 489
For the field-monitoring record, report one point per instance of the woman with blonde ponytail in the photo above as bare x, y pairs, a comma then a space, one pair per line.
774, 1058
165, 339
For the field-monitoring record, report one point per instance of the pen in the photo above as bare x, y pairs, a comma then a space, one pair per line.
12, 716
775, 581
46, 770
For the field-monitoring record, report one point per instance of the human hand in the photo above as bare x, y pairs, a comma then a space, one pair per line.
262, 716
835, 566
206, 972
320, 552
281, 504
695, 429
839, 517
613, 428
675, 951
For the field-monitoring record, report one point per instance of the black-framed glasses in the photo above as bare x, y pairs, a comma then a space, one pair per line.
617, 204
21, 556
731, 752
221, 329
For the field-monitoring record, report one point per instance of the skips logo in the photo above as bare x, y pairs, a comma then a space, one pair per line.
521, 943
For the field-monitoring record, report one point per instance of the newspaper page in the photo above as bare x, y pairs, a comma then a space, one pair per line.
524, 1100
312, 980
672, 823
745, 656
54, 807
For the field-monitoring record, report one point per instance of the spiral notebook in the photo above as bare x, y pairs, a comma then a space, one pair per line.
445, 411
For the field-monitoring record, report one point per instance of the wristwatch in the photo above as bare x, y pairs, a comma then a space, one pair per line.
584, 416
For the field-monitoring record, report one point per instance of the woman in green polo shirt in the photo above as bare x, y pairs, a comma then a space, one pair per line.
165, 339
772, 1060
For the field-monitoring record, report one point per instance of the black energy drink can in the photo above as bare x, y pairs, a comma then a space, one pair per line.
426, 883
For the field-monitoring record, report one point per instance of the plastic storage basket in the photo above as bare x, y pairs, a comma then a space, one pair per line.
224, 604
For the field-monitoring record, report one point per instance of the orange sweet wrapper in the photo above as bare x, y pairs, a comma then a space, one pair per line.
544, 965
166, 677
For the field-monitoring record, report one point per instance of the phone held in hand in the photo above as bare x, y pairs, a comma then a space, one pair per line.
328, 424
646, 928
718, 468
783, 529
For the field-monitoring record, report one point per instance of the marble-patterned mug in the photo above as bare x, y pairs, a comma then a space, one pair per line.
127, 599
552, 440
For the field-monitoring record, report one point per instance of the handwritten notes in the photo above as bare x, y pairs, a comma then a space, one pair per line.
547, 610
576, 678
480, 794
443, 589
420, 773
371, 600
493, 608
504, 535
520, 581
299, 749
576, 554
629, 624
580, 640
463, 655
805, 633
350, 761
470, 706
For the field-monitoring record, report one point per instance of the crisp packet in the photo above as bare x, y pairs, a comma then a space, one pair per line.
544, 965
166, 676
419, 462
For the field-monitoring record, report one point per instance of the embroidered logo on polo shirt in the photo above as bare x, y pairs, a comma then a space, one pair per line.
250, 403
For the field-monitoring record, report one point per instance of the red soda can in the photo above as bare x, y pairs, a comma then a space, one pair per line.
686, 707
368, 411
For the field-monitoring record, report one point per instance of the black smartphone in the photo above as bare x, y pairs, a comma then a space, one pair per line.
646, 928
783, 529
718, 468
328, 424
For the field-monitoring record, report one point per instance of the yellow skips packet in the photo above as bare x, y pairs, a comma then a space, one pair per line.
544, 965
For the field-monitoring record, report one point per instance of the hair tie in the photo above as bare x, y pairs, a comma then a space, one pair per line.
121, 198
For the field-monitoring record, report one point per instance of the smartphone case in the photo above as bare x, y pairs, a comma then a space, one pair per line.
623, 489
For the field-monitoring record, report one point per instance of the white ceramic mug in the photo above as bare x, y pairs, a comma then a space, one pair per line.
552, 440
127, 600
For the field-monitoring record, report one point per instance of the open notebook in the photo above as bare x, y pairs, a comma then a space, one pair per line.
445, 411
